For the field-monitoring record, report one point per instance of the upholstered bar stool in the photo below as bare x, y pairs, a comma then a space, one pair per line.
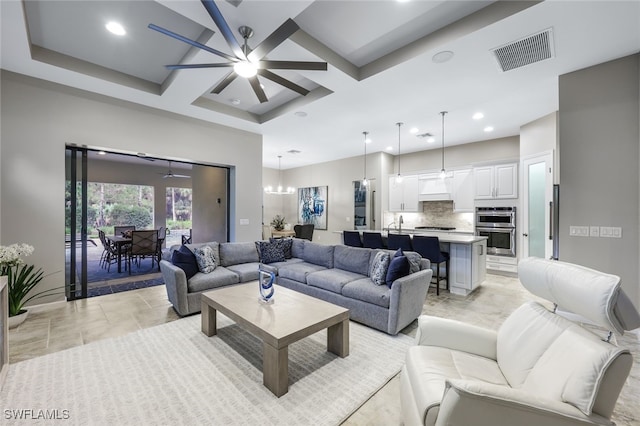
399, 241
429, 247
372, 240
352, 238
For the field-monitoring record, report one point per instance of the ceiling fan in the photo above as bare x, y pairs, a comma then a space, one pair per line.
246, 62
170, 174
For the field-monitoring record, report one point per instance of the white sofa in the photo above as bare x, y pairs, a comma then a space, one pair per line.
539, 368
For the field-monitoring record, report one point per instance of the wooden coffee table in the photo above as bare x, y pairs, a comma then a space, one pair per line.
291, 317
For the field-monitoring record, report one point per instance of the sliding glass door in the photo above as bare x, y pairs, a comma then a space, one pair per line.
75, 222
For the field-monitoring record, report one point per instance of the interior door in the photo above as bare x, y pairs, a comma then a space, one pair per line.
76, 223
537, 197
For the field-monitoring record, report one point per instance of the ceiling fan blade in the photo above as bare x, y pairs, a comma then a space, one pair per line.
189, 66
222, 25
275, 38
225, 82
181, 176
191, 42
255, 85
283, 82
294, 65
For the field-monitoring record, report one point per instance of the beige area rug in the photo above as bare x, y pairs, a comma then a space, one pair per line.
173, 374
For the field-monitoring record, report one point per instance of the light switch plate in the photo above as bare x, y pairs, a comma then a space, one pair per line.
579, 231
244, 221
594, 231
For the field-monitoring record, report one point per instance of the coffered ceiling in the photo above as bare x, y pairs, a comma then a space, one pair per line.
380, 55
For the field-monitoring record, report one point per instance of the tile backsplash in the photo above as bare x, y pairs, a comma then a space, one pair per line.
434, 213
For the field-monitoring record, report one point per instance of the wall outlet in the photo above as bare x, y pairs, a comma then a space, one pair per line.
594, 231
579, 231
244, 221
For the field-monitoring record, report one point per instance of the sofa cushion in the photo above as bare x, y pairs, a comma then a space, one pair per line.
184, 259
234, 253
379, 268
398, 267
205, 259
571, 368
353, 259
213, 244
297, 247
285, 244
332, 279
318, 254
218, 278
364, 290
523, 337
270, 251
298, 271
246, 271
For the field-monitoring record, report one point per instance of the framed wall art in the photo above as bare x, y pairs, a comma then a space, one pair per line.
312, 206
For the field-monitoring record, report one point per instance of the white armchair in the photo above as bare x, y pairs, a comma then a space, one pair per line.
539, 368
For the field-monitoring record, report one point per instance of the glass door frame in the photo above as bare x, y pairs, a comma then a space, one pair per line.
547, 158
77, 290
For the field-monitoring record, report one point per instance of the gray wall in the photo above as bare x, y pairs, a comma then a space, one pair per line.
209, 204
599, 161
39, 118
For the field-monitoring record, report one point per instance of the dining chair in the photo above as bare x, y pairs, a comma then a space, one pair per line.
143, 244
352, 238
187, 240
372, 240
162, 235
304, 231
399, 241
429, 248
120, 230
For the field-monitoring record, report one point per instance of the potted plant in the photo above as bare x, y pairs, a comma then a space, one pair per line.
278, 223
22, 278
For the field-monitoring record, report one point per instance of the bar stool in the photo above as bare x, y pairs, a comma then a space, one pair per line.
352, 238
396, 241
429, 248
372, 240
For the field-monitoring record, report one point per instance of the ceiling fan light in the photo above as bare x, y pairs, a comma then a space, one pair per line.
245, 69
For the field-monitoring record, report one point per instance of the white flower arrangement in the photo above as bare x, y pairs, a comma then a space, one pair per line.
12, 255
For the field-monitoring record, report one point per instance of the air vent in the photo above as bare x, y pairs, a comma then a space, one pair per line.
293, 151
424, 135
535, 48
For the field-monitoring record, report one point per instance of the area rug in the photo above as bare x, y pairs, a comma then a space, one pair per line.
173, 374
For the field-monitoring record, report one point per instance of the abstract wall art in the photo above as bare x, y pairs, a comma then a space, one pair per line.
312, 206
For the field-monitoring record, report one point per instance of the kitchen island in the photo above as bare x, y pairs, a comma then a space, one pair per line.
468, 257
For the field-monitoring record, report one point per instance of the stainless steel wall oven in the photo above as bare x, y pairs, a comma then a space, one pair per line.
498, 224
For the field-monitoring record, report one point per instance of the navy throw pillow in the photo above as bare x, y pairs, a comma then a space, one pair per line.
398, 267
184, 259
270, 252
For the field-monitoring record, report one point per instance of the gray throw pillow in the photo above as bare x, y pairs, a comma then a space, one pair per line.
414, 261
206, 259
379, 267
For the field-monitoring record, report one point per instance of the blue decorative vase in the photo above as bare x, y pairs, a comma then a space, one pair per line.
267, 285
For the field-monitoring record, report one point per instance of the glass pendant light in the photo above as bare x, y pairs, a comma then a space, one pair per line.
399, 176
364, 179
279, 189
443, 173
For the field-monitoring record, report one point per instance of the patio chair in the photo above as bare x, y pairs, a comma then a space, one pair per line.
187, 240
143, 244
120, 230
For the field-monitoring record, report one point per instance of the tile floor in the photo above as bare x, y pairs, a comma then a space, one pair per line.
63, 325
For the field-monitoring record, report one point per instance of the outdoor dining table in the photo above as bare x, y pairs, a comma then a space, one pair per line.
119, 241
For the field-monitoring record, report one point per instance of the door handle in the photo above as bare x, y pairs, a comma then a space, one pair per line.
525, 235
551, 220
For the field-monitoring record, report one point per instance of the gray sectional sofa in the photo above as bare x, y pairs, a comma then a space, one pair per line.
335, 273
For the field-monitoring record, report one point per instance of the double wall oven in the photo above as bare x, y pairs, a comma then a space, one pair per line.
498, 224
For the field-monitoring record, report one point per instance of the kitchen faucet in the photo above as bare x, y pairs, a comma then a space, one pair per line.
400, 222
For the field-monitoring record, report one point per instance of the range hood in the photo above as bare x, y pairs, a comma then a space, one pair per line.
434, 188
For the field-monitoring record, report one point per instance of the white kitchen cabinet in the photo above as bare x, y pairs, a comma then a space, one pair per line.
468, 265
496, 182
502, 264
432, 187
403, 196
463, 190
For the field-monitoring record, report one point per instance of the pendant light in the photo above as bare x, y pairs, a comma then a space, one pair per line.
443, 173
364, 179
279, 191
399, 176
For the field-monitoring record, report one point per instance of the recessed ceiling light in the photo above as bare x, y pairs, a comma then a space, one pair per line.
389, 148
442, 57
478, 116
367, 140
115, 28
431, 139
234, 101
300, 114
414, 130
488, 129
